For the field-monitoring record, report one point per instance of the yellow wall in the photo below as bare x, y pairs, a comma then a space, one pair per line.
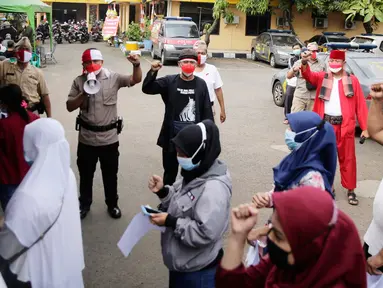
303, 25
232, 37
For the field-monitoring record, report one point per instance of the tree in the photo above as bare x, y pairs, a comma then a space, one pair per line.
254, 7
220, 10
371, 10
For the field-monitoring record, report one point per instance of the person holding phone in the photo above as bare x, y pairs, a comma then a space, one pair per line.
196, 208
304, 94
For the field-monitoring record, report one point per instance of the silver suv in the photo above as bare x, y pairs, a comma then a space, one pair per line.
274, 46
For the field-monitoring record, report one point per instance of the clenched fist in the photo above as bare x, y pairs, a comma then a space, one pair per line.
376, 92
156, 65
155, 183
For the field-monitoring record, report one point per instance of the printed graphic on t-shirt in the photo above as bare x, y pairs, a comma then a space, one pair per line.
188, 112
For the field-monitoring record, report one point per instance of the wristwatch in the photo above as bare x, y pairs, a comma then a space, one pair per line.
136, 65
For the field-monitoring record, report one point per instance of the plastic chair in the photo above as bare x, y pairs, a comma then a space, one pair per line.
35, 61
50, 55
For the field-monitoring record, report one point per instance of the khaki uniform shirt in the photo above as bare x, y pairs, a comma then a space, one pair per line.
101, 107
301, 89
31, 80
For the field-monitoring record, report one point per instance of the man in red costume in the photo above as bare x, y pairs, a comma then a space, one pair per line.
339, 98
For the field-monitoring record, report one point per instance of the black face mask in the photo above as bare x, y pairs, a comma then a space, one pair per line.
278, 256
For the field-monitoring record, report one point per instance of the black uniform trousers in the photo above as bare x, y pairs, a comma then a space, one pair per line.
289, 99
87, 158
170, 164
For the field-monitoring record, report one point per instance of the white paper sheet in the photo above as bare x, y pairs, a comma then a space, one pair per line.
374, 281
137, 228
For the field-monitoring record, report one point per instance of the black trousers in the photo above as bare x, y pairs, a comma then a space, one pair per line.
170, 164
87, 158
289, 99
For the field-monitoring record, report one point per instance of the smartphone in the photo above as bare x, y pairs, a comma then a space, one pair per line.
148, 210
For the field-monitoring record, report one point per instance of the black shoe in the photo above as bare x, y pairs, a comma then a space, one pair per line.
114, 212
83, 213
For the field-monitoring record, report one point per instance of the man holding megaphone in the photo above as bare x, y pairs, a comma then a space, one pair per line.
95, 93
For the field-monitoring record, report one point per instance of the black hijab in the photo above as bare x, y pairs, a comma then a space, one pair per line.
189, 139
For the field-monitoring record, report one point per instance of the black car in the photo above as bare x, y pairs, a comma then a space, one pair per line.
328, 37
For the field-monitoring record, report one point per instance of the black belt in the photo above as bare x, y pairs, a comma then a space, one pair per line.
89, 127
334, 120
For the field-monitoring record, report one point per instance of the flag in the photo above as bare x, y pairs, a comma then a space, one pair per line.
142, 18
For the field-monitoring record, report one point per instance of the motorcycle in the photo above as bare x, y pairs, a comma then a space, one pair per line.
57, 32
82, 33
96, 33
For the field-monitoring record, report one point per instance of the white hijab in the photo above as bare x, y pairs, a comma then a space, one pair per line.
57, 260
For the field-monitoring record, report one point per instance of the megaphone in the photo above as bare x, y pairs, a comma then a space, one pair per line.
92, 85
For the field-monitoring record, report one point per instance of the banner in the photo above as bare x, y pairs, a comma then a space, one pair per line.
110, 27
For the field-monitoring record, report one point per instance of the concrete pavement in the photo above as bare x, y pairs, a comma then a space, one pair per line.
252, 143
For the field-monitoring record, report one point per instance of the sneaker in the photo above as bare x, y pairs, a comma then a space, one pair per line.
114, 212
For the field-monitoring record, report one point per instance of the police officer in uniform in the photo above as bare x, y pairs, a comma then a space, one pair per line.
29, 78
99, 126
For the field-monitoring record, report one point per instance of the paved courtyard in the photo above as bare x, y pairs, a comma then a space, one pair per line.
252, 143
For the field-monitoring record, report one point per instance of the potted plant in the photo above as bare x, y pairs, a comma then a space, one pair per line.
147, 34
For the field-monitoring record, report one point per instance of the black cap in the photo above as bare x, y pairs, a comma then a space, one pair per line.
188, 54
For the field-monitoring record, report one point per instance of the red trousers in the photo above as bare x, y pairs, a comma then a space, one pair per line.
347, 158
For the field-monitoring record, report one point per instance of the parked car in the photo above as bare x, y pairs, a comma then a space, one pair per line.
368, 67
274, 46
171, 35
370, 39
328, 37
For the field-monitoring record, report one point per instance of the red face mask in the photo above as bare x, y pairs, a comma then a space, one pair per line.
90, 68
23, 55
335, 65
314, 55
188, 69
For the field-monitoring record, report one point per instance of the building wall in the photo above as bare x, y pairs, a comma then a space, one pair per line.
232, 37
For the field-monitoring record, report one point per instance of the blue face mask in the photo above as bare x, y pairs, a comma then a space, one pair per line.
297, 52
290, 138
187, 163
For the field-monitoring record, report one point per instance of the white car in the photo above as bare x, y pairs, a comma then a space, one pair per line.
376, 39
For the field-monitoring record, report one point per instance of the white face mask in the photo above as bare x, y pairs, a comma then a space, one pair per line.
335, 70
203, 59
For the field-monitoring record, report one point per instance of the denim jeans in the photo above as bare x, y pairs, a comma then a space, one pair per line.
6, 192
199, 279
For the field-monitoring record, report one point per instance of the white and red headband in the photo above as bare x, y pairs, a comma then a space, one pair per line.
91, 55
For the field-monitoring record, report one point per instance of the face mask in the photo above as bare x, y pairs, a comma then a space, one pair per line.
335, 67
187, 163
278, 256
297, 52
23, 56
187, 69
314, 55
290, 138
202, 59
95, 68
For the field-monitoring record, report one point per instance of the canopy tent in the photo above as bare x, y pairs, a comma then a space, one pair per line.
30, 7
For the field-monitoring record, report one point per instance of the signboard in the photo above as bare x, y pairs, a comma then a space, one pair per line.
110, 27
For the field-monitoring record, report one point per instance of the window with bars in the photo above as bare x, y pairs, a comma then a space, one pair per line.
201, 13
256, 24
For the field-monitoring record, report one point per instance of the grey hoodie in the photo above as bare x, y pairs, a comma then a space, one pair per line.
203, 208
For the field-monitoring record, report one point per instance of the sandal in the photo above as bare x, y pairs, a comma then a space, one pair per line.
352, 200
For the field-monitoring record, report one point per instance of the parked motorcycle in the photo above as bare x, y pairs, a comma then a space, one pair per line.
96, 32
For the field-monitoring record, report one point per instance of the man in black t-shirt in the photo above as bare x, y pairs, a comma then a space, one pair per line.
186, 100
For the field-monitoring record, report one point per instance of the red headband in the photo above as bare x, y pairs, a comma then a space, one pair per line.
337, 54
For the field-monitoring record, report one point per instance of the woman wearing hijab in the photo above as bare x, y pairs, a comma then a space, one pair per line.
42, 218
196, 208
304, 252
13, 119
313, 158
